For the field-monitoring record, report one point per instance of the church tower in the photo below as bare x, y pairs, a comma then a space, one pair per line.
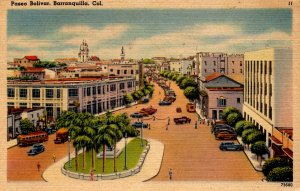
122, 54
83, 54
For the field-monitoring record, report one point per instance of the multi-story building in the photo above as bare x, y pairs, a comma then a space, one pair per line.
127, 70
217, 92
186, 66
27, 61
208, 63
94, 95
268, 94
175, 65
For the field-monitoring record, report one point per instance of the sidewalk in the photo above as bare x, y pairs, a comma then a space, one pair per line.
11, 143
253, 158
150, 168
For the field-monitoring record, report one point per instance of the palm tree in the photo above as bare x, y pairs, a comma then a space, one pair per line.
106, 134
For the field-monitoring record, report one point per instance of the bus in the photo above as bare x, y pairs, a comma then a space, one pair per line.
61, 136
32, 138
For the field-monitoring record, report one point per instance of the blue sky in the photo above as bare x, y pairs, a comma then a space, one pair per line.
52, 34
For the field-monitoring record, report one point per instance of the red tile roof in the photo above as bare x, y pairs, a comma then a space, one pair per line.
34, 58
33, 69
213, 76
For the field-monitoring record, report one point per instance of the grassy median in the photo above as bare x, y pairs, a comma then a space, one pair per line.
134, 151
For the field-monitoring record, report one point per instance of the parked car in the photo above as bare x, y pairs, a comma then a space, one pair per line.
223, 130
164, 103
225, 135
150, 110
136, 115
138, 124
181, 120
231, 146
145, 100
144, 113
169, 98
220, 127
36, 149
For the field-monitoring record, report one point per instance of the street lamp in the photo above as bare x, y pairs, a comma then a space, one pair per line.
125, 162
142, 144
69, 161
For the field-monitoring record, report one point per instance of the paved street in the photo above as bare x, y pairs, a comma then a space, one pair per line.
23, 167
193, 154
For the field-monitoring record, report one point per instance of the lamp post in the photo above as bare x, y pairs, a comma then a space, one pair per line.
125, 162
69, 157
142, 144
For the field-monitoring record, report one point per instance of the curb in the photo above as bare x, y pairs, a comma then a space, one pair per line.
159, 166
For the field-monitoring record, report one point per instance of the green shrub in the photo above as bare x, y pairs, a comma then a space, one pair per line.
281, 174
255, 136
179, 79
228, 110
188, 82
245, 135
233, 118
259, 148
273, 163
239, 127
191, 92
128, 99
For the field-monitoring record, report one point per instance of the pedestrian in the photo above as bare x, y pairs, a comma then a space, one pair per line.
167, 127
53, 157
149, 126
92, 175
196, 125
38, 166
170, 174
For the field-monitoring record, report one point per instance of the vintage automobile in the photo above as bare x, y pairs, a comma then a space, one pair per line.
181, 120
138, 124
144, 113
36, 149
164, 103
231, 146
178, 110
190, 107
150, 110
226, 135
219, 127
169, 98
136, 115
61, 136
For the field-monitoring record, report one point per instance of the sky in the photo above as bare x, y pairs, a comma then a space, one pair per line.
145, 33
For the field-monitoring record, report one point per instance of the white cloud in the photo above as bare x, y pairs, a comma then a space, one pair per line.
23, 41
93, 36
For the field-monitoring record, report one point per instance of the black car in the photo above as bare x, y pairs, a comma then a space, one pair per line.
36, 149
164, 103
222, 127
138, 124
231, 146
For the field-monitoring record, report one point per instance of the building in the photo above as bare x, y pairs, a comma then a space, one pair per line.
38, 73
15, 116
175, 65
94, 95
217, 92
27, 61
208, 63
126, 70
186, 66
268, 93
83, 55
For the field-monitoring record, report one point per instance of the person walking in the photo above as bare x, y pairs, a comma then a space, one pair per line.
38, 166
170, 174
196, 125
54, 157
92, 175
149, 126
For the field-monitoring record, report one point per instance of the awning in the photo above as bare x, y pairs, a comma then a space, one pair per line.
276, 141
288, 152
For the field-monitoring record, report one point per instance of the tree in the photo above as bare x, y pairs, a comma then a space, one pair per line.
170, 75
228, 110
174, 77
179, 79
233, 118
273, 163
148, 61
26, 126
239, 127
245, 135
188, 82
140, 93
259, 148
281, 174
191, 92
128, 99
105, 135
255, 136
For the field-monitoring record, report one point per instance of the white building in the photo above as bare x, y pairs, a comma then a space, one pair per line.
175, 65
186, 66
268, 96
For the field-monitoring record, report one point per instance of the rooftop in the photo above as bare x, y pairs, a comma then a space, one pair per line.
21, 110
34, 58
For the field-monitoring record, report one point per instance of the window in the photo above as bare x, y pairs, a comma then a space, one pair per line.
10, 92
205, 70
113, 87
94, 90
11, 104
73, 92
241, 71
58, 111
23, 92
23, 105
220, 114
131, 71
238, 100
129, 84
205, 63
232, 70
88, 91
125, 71
214, 63
270, 67
58, 93
49, 93
232, 63
36, 93
34, 105
103, 89
137, 72
84, 92
221, 102
265, 67
111, 70
122, 86
118, 71
270, 112
214, 70
270, 90
99, 89
37, 114
241, 63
